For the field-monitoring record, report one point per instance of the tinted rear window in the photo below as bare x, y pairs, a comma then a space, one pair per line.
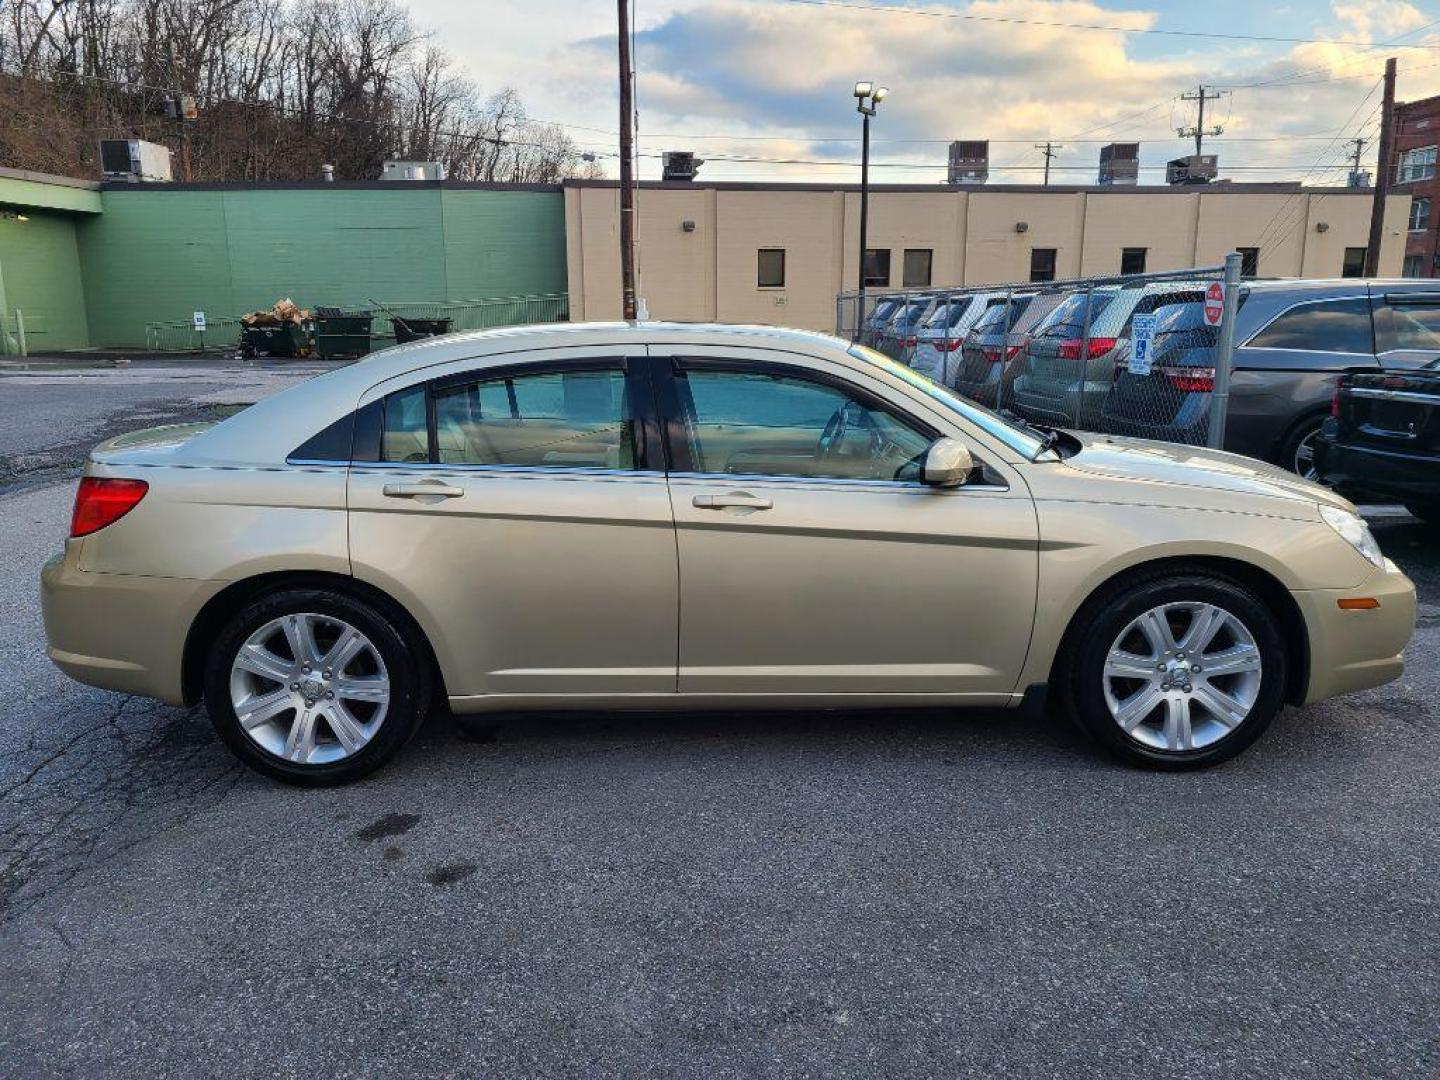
1173, 318
1068, 319
1331, 326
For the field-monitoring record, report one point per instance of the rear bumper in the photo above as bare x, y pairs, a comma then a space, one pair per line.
121, 632
1356, 650
1122, 425
1354, 470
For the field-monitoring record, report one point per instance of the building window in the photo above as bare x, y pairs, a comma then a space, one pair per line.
877, 267
1414, 266
1419, 214
770, 271
1417, 164
1042, 264
916, 271
1132, 260
1249, 262
1354, 265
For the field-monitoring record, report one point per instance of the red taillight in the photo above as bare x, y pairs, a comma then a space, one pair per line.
1335, 403
1099, 346
952, 344
1012, 351
909, 342
1191, 380
100, 501
995, 356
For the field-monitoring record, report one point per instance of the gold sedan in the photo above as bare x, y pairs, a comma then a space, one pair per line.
651, 515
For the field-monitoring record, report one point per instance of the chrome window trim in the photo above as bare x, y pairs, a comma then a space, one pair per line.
578, 471
1305, 303
736, 479
1393, 395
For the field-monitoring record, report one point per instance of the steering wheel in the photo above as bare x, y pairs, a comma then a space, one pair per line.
832, 439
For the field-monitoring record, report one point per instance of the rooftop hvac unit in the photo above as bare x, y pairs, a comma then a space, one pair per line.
1194, 169
679, 165
134, 161
969, 162
413, 170
1120, 163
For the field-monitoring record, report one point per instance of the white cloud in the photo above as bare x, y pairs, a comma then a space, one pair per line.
783, 71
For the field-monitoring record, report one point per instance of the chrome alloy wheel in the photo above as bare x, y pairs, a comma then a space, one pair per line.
1303, 464
1182, 676
309, 688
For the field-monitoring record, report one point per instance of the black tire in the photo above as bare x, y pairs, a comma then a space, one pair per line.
406, 667
1303, 432
1083, 686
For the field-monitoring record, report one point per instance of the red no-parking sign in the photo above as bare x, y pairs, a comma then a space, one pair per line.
1215, 303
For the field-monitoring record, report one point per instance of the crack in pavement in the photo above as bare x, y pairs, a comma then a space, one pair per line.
139, 770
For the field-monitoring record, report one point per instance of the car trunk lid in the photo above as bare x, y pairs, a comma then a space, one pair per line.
1397, 411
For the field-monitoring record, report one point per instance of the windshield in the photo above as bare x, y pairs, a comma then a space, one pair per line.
1018, 439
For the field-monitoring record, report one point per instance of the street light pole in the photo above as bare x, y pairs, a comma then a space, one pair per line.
867, 98
864, 195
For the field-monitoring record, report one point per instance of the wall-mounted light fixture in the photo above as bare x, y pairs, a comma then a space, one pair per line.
1322, 226
1022, 226
687, 225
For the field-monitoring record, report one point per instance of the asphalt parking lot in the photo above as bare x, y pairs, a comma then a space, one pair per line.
876, 894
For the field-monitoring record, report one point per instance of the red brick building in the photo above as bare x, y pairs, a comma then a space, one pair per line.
1417, 137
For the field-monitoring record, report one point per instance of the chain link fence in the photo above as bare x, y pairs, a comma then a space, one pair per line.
1133, 354
478, 314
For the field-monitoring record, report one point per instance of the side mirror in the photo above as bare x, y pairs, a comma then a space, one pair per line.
947, 464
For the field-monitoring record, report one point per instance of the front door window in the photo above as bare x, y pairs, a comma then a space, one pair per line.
755, 423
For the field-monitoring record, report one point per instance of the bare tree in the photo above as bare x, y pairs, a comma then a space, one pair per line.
281, 86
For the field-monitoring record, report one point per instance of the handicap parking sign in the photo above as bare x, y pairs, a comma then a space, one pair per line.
1142, 343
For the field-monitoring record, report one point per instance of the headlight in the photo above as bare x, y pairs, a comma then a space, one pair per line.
1355, 532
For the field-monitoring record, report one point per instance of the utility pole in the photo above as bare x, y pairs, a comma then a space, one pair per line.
627, 180
1355, 162
1199, 131
1383, 171
1048, 149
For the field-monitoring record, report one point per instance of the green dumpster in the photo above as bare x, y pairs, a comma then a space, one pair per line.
341, 335
274, 339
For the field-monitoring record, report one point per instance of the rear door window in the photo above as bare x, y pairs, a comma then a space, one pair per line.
1327, 326
555, 419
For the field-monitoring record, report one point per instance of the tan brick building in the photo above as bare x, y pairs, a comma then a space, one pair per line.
700, 244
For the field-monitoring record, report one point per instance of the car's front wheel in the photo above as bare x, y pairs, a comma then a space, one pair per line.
1179, 671
315, 687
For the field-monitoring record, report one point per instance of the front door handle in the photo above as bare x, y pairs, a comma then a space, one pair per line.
423, 488
736, 500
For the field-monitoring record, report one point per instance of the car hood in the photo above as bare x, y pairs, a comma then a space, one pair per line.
1194, 467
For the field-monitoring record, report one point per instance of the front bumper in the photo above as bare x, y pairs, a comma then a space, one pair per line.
1356, 650
122, 632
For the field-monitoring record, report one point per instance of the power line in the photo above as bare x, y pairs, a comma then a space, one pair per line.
1013, 20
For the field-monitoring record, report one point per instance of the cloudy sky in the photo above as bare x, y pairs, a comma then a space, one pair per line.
771, 79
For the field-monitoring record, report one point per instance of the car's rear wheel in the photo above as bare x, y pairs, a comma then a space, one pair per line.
1177, 672
315, 687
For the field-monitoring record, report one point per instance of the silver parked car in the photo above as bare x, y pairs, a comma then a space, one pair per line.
939, 338
672, 516
1067, 374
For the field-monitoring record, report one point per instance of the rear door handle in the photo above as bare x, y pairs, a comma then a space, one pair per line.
738, 500
424, 487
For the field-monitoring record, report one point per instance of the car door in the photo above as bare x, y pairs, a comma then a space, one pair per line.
812, 558
1284, 373
517, 511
